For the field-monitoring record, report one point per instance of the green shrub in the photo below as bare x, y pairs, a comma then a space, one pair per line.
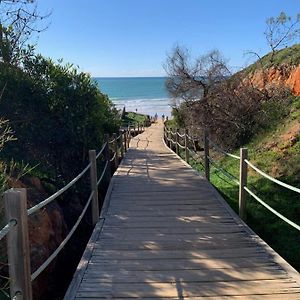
57, 115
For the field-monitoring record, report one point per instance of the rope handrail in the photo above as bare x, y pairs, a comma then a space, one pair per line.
193, 139
173, 133
103, 173
179, 145
170, 140
223, 171
63, 243
112, 159
102, 149
296, 226
58, 193
290, 187
5, 230
118, 137
166, 130
112, 141
223, 151
181, 135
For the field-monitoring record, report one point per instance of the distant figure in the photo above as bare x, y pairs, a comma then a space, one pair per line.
136, 110
163, 117
155, 117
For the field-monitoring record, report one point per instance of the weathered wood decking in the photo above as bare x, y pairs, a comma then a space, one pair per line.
166, 233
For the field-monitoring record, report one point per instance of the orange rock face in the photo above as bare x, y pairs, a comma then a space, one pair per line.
294, 81
286, 75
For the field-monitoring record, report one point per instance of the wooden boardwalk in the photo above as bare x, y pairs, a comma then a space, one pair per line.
165, 233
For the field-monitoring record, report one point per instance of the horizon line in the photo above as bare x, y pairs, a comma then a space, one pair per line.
129, 76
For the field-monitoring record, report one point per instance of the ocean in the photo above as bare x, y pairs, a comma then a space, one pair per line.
146, 95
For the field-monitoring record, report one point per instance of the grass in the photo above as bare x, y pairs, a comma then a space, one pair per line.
288, 56
132, 117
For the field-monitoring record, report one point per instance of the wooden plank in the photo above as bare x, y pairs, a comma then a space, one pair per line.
173, 254
174, 230
207, 275
179, 289
177, 264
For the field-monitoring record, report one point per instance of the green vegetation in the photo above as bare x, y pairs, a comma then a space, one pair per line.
285, 57
133, 118
56, 113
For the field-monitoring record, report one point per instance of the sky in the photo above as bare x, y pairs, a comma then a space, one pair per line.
131, 38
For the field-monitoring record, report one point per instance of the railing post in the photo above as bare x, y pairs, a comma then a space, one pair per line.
133, 129
177, 141
206, 155
107, 156
116, 149
18, 244
125, 141
138, 128
128, 136
94, 187
243, 183
187, 158
122, 146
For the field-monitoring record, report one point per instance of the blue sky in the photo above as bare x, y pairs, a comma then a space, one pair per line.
132, 37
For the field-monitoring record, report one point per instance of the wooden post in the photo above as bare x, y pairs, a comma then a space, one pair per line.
107, 156
169, 137
176, 140
187, 157
94, 187
125, 141
134, 129
206, 155
122, 146
243, 183
138, 128
18, 244
128, 136
116, 150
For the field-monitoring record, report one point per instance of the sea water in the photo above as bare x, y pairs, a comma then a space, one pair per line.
146, 95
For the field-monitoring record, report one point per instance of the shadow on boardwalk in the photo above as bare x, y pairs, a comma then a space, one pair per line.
167, 234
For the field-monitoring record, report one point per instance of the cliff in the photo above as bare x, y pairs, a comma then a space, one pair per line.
288, 76
281, 69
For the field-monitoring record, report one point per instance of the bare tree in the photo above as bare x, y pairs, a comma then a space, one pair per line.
193, 80
281, 31
19, 19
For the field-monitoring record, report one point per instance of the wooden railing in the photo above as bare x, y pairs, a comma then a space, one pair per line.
172, 141
16, 229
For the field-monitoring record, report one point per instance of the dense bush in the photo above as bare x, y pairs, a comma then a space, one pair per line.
234, 112
56, 113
